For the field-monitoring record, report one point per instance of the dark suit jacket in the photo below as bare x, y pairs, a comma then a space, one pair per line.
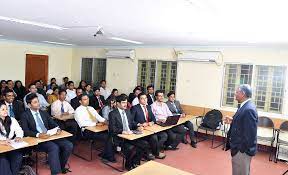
139, 116
75, 103
18, 109
28, 123
149, 99
115, 122
243, 130
172, 108
94, 102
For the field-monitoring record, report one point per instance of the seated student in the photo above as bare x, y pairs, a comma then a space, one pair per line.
62, 107
75, 101
54, 96
132, 95
121, 122
70, 92
3, 85
150, 94
88, 90
65, 81
136, 100
52, 86
82, 85
10, 162
161, 112
35, 123
15, 107
110, 106
87, 116
33, 90
52, 81
142, 114
104, 90
175, 107
114, 93
20, 90
97, 101
40, 88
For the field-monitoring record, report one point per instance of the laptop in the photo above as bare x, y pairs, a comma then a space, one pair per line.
171, 120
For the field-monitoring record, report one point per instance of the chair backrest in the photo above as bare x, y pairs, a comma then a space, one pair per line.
284, 126
265, 122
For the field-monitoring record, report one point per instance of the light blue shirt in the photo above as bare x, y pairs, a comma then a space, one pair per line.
35, 119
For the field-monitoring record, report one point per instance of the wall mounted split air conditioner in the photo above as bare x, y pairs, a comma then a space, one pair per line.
200, 56
121, 54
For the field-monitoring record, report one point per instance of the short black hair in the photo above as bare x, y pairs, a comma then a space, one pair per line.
122, 97
70, 82
83, 95
8, 81
30, 97
54, 89
32, 84
142, 93
158, 92
113, 90
65, 78
53, 79
6, 91
3, 81
102, 81
96, 88
170, 93
150, 86
137, 88
87, 84
79, 89
62, 90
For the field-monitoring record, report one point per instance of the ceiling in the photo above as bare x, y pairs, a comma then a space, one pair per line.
151, 22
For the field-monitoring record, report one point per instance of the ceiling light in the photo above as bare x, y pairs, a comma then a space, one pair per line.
52, 42
126, 40
32, 23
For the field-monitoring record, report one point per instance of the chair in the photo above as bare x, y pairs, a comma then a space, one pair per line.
282, 138
266, 133
215, 119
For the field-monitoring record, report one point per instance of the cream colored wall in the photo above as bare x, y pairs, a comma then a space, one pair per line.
13, 56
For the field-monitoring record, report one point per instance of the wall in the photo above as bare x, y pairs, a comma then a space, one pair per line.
13, 56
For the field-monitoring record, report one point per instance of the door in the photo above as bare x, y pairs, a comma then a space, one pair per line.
36, 68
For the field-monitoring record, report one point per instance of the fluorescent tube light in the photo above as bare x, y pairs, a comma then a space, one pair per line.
52, 42
126, 40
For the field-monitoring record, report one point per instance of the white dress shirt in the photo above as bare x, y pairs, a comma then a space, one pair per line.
15, 130
135, 101
105, 92
83, 119
160, 110
70, 95
56, 108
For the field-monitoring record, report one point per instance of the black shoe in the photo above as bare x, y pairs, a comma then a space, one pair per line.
184, 141
194, 144
171, 148
66, 170
150, 157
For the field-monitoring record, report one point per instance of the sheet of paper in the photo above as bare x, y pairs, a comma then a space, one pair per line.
53, 131
18, 145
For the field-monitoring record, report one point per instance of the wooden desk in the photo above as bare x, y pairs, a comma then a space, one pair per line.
155, 168
64, 117
97, 128
136, 136
63, 134
30, 140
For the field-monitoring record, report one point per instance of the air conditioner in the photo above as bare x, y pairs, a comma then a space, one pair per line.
200, 56
121, 54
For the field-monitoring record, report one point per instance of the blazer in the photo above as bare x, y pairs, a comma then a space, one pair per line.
28, 123
172, 108
18, 108
139, 116
94, 102
115, 122
243, 130
75, 103
149, 99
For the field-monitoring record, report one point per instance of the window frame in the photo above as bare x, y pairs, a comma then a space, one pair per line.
81, 62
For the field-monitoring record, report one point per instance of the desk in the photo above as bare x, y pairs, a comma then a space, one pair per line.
63, 134
136, 136
30, 140
155, 168
64, 117
97, 128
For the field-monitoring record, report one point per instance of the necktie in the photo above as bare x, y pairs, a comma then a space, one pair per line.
40, 123
91, 116
146, 113
11, 111
62, 108
100, 102
177, 111
125, 122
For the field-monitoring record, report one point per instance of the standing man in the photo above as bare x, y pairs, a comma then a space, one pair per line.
242, 135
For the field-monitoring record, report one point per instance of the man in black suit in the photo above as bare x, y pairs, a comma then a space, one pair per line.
97, 101
242, 135
15, 107
143, 114
150, 94
121, 122
35, 123
75, 102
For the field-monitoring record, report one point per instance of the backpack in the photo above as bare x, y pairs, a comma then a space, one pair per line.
26, 170
212, 119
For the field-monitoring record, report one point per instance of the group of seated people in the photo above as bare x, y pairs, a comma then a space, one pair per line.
31, 114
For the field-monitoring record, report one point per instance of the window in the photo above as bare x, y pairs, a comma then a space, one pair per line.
166, 72
268, 86
93, 70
